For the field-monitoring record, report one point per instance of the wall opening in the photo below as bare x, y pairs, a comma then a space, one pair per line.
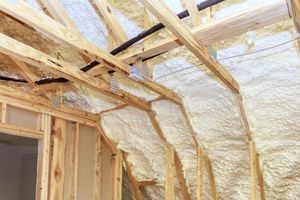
18, 167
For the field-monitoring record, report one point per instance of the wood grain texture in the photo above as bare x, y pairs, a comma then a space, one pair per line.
159, 9
57, 173
170, 173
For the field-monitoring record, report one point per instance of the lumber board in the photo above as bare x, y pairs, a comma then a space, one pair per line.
26, 14
253, 177
200, 169
260, 177
295, 12
35, 103
106, 12
170, 173
74, 161
20, 131
57, 173
32, 56
180, 175
159, 9
134, 184
3, 113
191, 6
211, 177
218, 30
118, 176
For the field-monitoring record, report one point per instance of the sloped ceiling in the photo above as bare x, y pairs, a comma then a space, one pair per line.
269, 76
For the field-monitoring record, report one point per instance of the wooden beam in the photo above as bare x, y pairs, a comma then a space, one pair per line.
58, 159
200, 167
3, 113
157, 127
173, 23
108, 142
26, 14
98, 166
170, 173
191, 6
294, 6
74, 177
20, 131
26, 101
134, 184
253, 177
106, 12
32, 56
147, 183
45, 169
118, 176
245, 121
236, 24
58, 12
260, 177
183, 186
211, 178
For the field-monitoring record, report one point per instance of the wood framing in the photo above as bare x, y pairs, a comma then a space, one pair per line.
3, 113
20, 131
260, 177
106, 11
58, 159
211, 178
200, 169
239, 23
253, 177
191, 6
45, 24
294, 6
134, 184
170, 173
172, 22
117, 183
37, 104
32, 56
74, 159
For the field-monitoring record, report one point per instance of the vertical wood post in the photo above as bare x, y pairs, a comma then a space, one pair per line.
74, 178
200, 166
118, 176
260, 178
252, 170
59, 132
170, 173
3, 112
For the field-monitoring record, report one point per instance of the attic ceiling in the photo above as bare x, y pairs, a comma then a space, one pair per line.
265, 65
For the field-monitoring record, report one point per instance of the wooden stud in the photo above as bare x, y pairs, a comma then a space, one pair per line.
200, 167
170, 173
179, 171
193, 11
44, 189
58, 159
55, 30
117, 183
134, 184
260, 178
245, 121
211, 178
74, 177
98, 166
236, 24
147, 183
253, 170
3, 112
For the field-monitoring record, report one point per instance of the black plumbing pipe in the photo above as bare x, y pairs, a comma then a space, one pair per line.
122, 47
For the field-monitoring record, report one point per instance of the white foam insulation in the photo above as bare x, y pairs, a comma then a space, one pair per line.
268, 72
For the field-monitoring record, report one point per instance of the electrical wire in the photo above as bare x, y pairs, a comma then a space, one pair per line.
230, 57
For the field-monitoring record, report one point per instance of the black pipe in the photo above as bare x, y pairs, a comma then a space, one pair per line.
122, 47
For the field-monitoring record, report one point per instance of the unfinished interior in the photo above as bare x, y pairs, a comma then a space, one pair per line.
149, 99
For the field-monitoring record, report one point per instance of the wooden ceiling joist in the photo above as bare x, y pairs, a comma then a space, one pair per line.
36, 58
26, 14
103, 7
218, 30
173, 23
294, 6
191, 6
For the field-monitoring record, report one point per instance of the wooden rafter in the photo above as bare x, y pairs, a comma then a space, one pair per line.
32, 56
170, 173
294, 6
172, 22
106, 12
193, 11
50, 27
260, 178
239, 23
211, 177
